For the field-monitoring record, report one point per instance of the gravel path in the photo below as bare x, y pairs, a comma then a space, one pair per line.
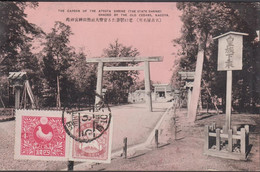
186, 153
132, 121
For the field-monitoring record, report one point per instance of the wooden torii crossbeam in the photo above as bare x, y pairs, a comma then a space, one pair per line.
146, 69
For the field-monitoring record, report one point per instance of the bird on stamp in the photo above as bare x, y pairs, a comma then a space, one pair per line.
43, 136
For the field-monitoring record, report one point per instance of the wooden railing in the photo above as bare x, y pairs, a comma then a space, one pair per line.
231, 144
7, 112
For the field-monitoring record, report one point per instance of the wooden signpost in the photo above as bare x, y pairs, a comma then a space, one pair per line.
230, 48
223, 143
146, 69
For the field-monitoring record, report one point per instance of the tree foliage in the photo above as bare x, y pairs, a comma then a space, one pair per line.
57, 65
201, 22
16, 35
15, 32
57, 58
118, 83
83, 81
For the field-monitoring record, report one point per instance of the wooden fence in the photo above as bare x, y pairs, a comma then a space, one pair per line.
7, 114
230, 144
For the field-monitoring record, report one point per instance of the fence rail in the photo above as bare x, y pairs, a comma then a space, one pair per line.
7, 112
237, 142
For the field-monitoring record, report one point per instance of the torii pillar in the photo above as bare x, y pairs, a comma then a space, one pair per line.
145, 68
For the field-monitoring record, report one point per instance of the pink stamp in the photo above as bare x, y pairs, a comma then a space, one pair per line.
92, 128
40, 135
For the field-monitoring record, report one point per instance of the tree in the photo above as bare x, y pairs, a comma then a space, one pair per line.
204, 20
15, 31
118, 83
16, 35
57, 59
83, 78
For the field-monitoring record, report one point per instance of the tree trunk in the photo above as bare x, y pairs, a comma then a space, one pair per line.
58, 104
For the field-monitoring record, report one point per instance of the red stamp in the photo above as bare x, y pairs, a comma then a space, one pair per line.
97, 149
95, 136
40, 135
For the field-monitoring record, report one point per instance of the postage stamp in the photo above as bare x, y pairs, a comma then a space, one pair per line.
90, 133
95, 133
40, 135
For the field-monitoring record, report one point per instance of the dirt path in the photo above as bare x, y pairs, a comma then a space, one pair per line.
132, 121
186, 153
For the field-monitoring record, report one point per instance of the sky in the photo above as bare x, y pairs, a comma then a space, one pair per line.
152, 38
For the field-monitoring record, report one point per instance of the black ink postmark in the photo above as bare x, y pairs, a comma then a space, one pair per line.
87, 125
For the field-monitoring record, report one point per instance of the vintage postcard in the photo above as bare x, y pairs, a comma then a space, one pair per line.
130, 86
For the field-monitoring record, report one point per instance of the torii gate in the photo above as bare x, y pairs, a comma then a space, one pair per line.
146, 69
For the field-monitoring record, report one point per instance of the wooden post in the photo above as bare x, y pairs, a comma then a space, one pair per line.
12, 112
2, 100
228, 99
174, 127
192, 109
58, 103
243, 141
99, 81
225, 130
175, 132
147, 86
189, 96
234, 128
214, 126
24, 97
17, 97
218, 139
165, 91
156, 138
247, 128
70, 165
125, 148
247, 136
208, 104
155, 94
230, 142
206, 144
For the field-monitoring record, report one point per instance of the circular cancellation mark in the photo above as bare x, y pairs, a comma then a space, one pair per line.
87, 125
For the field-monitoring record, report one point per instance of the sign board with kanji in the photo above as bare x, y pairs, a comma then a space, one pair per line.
40, 135
230, 51
230, 47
